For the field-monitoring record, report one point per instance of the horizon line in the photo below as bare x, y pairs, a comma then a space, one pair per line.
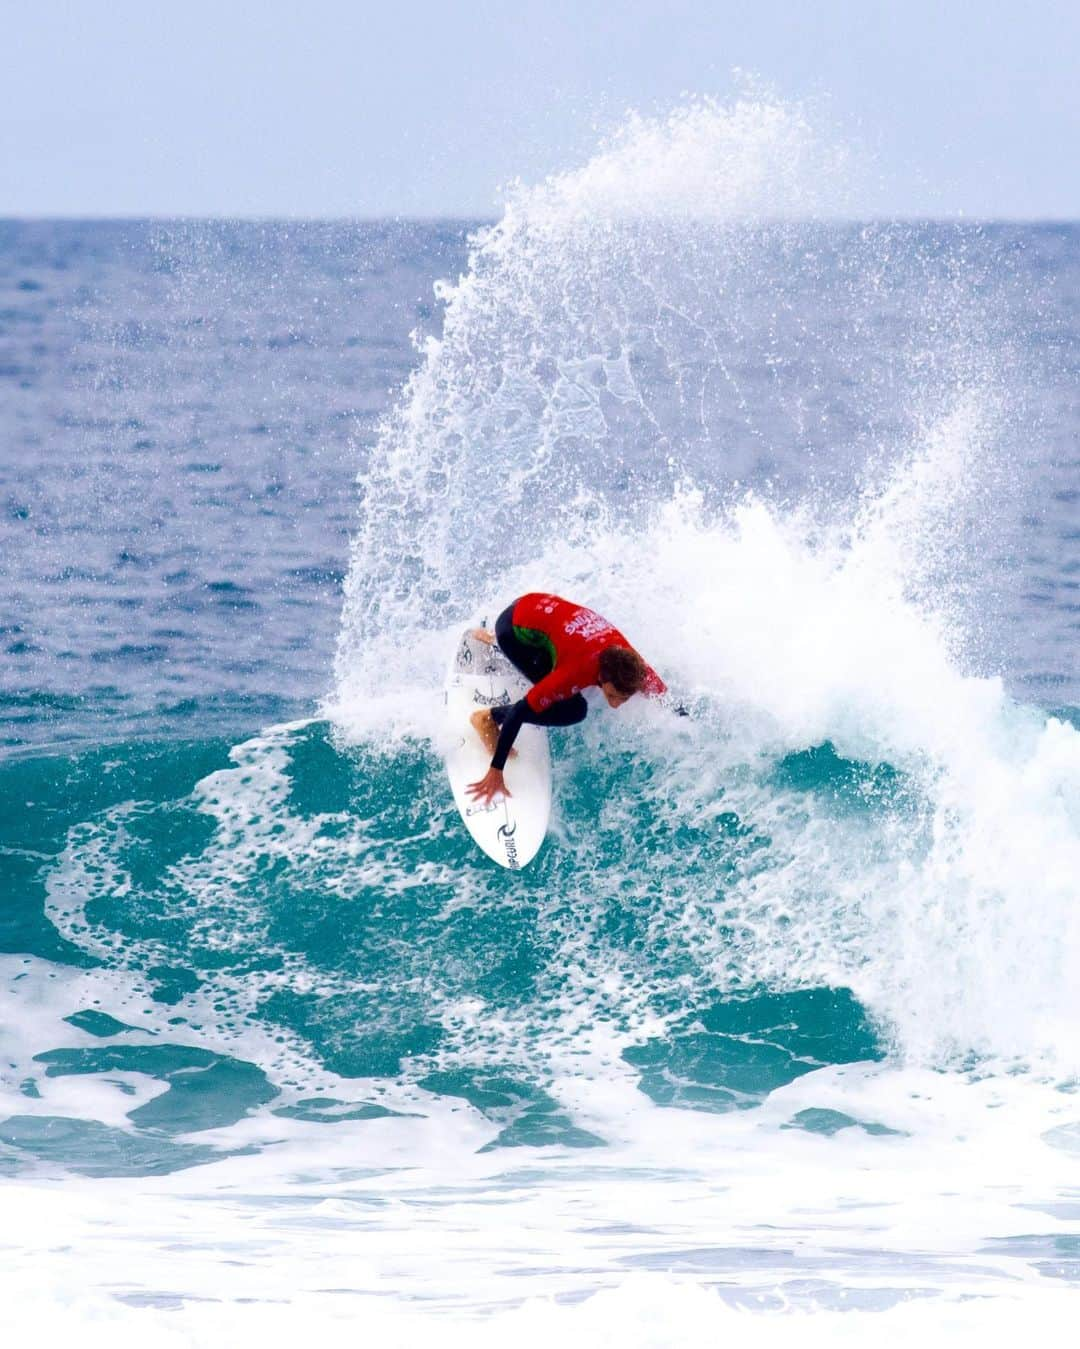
461, 218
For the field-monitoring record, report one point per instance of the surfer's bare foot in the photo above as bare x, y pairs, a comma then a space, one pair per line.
484, 725
482, 635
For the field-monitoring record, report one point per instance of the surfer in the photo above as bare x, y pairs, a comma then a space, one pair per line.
562, 648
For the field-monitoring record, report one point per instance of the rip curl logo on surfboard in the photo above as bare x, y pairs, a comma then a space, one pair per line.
506, 833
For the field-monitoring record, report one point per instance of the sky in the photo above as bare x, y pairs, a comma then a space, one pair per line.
309, 108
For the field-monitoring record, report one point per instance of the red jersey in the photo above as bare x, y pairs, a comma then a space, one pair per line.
574, 637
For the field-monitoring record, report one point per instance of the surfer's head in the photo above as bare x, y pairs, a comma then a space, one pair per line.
622, 674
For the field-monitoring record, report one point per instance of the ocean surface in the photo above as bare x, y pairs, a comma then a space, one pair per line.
779, 1037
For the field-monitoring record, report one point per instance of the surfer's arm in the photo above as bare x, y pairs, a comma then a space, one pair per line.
563, 683
564, 711
654, 686
508, 731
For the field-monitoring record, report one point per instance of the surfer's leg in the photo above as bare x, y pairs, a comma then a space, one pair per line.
534, 662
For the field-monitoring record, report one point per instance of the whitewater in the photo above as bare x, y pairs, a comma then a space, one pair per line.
778, 1035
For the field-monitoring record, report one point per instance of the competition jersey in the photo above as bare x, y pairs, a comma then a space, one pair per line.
574, 637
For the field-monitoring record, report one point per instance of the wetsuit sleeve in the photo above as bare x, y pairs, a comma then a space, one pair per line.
515, 719
563, 682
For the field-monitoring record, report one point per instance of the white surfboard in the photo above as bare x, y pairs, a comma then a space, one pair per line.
511, 828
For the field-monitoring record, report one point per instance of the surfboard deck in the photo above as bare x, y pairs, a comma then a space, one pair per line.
510, 829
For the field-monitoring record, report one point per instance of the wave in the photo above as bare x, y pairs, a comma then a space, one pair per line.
858, 846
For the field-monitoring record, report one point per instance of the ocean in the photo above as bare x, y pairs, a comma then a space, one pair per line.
779, 1036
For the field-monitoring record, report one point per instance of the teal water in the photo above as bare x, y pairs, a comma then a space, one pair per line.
350, 869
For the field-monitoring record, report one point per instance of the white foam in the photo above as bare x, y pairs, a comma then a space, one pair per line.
722, 1218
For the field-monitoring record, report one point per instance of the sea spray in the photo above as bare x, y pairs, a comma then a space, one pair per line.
584, 424
688, 307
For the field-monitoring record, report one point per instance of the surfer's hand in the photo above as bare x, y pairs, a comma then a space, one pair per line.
489, 786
